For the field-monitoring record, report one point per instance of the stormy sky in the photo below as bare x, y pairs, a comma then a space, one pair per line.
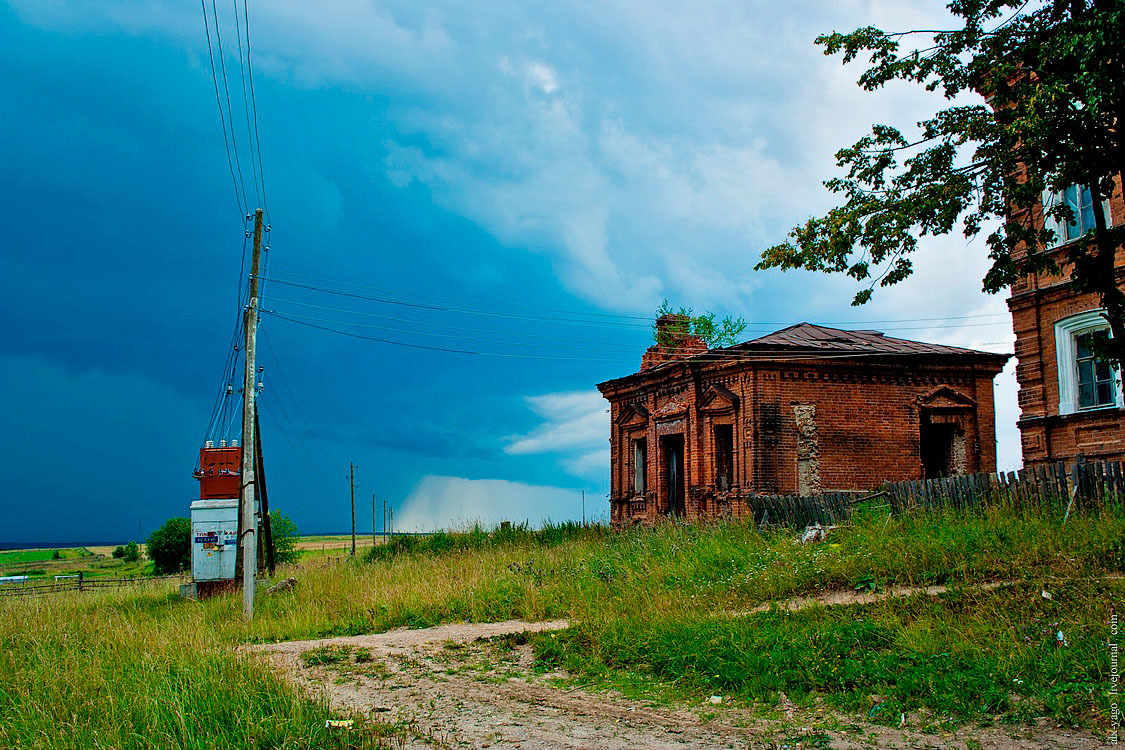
519, 183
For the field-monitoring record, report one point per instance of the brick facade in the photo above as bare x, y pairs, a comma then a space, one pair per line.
1038, 303
802, 411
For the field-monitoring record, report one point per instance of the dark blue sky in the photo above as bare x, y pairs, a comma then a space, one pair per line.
591, 160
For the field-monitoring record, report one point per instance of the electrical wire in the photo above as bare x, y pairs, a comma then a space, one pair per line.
477, 303
254, 109
293, 398
246, 102
230, 110
711, 355
241, 201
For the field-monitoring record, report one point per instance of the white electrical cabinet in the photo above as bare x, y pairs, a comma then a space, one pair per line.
214, 539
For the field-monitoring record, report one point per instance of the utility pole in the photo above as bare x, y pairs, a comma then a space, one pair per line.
248, 526
353, 506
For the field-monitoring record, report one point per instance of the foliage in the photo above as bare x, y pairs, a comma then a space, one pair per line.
118, 552
477, 538
56, 555
655, 609
285, 538
169, 547
716, 334
144, 668
132, 552
963, 654
1055, 79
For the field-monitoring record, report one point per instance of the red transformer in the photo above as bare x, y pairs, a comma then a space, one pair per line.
220, 470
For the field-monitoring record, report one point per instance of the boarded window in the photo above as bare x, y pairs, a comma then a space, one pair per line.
640, 465
724, 456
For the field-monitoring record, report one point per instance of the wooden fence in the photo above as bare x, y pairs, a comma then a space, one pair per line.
798, 511
1073, 488
33, 587
1061, 488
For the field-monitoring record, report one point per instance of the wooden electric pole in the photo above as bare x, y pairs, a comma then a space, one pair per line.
353, 506
248, 517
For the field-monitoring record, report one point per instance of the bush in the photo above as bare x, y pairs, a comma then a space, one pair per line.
169, 547
118, 552
285, 538
56, 555
132, 552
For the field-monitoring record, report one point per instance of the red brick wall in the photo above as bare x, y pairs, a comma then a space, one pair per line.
865, 429
1037, 303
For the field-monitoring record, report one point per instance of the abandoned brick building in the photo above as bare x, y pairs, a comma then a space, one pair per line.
804, 410
1070, 403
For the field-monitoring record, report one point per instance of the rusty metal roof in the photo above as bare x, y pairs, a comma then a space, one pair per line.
807, 337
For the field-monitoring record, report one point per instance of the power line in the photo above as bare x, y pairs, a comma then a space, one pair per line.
432, 324
712, 355
254, 108
284, 434
293, 398
246, 101
647, 319
230, 110
458, 336
242, 206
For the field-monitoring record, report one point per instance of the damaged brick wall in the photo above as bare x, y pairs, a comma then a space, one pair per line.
808, 449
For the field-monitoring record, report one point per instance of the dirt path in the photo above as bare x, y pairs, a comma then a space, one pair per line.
471, 685
839, 598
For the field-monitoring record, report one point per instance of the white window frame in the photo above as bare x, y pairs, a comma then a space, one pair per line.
1050, 200
1067, 331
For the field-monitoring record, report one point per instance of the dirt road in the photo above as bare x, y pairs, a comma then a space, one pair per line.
471, 685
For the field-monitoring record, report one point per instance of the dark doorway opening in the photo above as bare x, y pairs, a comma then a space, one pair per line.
937, 449
672, 450
724, 457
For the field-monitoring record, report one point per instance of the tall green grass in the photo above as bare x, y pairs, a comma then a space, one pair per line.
137, 670
142, 668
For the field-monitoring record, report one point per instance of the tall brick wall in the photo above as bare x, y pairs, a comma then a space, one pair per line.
817, 426
1038, 302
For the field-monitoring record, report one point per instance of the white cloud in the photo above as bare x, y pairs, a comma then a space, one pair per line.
648, 149
440, 502
575, 419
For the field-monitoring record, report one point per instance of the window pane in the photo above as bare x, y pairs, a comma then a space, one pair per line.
1085, 395
1083, 343
1105, 394
1085, 372
1102, 371
1086, 211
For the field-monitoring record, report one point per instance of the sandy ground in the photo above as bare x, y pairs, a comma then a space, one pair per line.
471, 685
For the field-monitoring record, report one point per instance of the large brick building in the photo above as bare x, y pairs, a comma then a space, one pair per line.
1070, 403
805, 410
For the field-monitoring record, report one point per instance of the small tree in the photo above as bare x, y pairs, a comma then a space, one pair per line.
285, 538
132, 552
1054, 76
169, 547
724, 332
118, 552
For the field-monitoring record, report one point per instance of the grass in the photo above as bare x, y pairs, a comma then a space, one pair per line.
41, 563
22, 556
655, 611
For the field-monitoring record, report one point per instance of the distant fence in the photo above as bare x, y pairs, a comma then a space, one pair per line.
1063, 488
33, 587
